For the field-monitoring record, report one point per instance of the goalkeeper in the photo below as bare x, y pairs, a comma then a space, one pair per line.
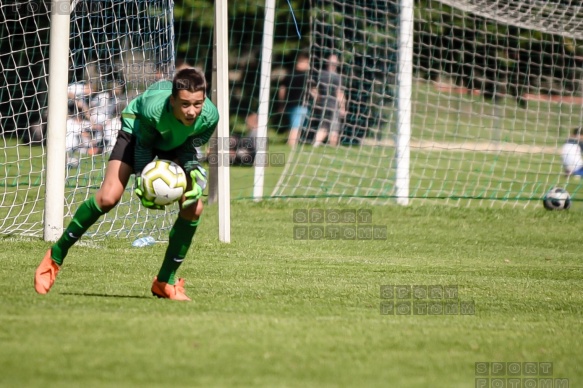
169, 120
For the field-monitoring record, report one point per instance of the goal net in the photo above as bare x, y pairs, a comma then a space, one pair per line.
117, 48
496, 91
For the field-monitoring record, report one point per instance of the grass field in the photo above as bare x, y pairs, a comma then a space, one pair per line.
455, 117
272, 310
269, 310
512, 178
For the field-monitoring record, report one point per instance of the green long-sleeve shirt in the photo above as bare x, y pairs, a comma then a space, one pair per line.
149, 117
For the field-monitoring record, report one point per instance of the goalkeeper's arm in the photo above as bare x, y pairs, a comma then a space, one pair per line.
144, 154
188, 159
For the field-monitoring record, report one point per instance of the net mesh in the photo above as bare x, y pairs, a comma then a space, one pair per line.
117, 48
496, 91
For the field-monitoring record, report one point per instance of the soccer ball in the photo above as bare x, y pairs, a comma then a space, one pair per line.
163, 182
557, 198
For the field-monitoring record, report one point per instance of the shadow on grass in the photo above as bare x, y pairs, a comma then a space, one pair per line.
108, 295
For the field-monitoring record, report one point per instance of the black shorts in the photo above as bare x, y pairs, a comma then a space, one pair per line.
124, 148
125, 145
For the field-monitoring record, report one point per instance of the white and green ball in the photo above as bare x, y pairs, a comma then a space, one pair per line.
163, 182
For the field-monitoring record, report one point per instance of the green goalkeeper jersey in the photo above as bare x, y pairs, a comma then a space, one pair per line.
149, 117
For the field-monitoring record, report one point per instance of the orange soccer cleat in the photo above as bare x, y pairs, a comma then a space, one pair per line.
169, 291
45, 274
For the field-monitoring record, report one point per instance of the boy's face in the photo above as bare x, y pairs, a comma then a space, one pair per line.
187, 106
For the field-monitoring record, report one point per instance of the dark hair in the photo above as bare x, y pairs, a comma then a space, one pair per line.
577, 131
190, 79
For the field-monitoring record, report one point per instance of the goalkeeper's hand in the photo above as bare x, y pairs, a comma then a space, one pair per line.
140, 193
199, 179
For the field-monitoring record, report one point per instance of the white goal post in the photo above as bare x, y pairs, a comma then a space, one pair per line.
404, 94
223, 178
57, 119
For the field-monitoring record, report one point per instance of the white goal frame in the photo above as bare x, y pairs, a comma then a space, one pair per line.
54, 209
57, 107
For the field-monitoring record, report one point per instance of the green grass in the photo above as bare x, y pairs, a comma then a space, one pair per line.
271, 311
442, 116
436, 174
